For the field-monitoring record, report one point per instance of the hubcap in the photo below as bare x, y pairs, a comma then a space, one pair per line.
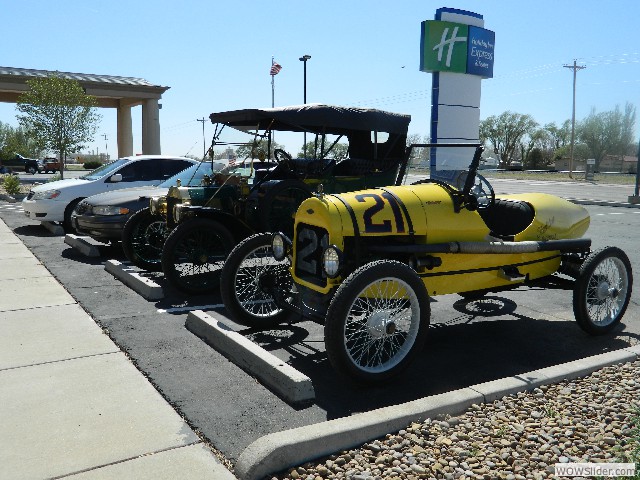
379, 324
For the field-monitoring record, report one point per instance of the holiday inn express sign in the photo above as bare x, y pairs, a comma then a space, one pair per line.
457, 48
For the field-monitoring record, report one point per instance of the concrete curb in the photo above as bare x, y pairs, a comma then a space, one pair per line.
603, 203
278, 451
87, 246
127, 275
283, 379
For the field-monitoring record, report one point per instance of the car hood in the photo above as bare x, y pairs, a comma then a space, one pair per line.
59, 184
124, 195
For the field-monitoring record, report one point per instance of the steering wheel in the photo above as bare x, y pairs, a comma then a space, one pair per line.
281, 156
483, 192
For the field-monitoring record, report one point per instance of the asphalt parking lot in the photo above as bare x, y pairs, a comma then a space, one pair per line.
469, 342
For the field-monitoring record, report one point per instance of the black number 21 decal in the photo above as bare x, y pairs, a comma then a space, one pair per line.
384, 227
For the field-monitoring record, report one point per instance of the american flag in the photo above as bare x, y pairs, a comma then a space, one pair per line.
275, 68
232, 161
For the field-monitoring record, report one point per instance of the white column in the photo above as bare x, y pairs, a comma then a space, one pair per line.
151, 127
125, 133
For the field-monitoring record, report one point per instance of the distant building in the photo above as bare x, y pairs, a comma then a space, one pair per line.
610, 163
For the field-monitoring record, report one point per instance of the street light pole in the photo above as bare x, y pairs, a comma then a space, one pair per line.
304, 59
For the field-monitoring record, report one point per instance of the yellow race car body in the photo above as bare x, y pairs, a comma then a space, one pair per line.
425, 214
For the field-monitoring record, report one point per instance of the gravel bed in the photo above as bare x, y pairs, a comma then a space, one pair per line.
522, 436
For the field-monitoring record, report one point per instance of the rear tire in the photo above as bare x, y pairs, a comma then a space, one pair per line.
143, 237
243, 294
602, 290
377, 321
193, 255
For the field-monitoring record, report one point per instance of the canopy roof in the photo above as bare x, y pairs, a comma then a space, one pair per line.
315, 118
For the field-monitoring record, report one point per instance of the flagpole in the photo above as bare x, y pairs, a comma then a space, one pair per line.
273, 95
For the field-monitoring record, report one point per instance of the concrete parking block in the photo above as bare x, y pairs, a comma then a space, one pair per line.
194, 462
277, 451
23, 293
53, 228
280, 377
66, 417
50, 334
87, 246
128, 275
22, 267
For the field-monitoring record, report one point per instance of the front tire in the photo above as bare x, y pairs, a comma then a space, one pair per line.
243, 283
377, 321
194, 253
602, 290
143, 237
67, 224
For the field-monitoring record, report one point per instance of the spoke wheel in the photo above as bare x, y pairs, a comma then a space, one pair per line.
248, 279
143, 237
377, 321
194, 253
602, 290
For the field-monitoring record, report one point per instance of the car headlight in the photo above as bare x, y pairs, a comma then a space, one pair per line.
46, 195
280, 245
332, 261
109, 210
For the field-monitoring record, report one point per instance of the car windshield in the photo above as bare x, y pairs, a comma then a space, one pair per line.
192, 176
451, 163
105, 170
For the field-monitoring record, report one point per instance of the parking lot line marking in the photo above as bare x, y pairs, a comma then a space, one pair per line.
189, 308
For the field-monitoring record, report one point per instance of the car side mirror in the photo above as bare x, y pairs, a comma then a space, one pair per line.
115, 178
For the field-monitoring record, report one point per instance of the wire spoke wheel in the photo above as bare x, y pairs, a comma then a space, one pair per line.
194, 253
249, 277
143, 237
377, 321
602, 290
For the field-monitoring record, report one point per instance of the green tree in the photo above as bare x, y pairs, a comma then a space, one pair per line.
608, 133
58, 115
16, 140
560, 135
505, 132
339, 151
256, 149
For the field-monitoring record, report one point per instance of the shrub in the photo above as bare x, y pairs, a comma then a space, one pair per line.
11, 184
91, 165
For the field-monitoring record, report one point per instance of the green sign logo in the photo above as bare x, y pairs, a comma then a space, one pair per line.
444, 46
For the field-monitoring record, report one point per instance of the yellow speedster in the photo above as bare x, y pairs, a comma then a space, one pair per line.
365, 263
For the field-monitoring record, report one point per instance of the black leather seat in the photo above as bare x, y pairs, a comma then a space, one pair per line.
507, 217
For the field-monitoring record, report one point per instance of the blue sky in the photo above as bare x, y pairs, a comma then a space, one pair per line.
216, 55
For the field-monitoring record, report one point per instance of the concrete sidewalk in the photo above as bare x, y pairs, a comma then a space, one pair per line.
72, 405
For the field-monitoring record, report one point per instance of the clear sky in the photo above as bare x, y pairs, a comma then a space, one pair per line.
216, 55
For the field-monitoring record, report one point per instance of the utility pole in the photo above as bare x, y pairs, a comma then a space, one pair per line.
106, 151
204, 143
575, 67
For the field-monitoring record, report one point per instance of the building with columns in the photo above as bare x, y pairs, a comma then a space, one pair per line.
121, 93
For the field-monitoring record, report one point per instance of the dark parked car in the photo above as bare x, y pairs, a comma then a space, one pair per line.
103, 216
31, 165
